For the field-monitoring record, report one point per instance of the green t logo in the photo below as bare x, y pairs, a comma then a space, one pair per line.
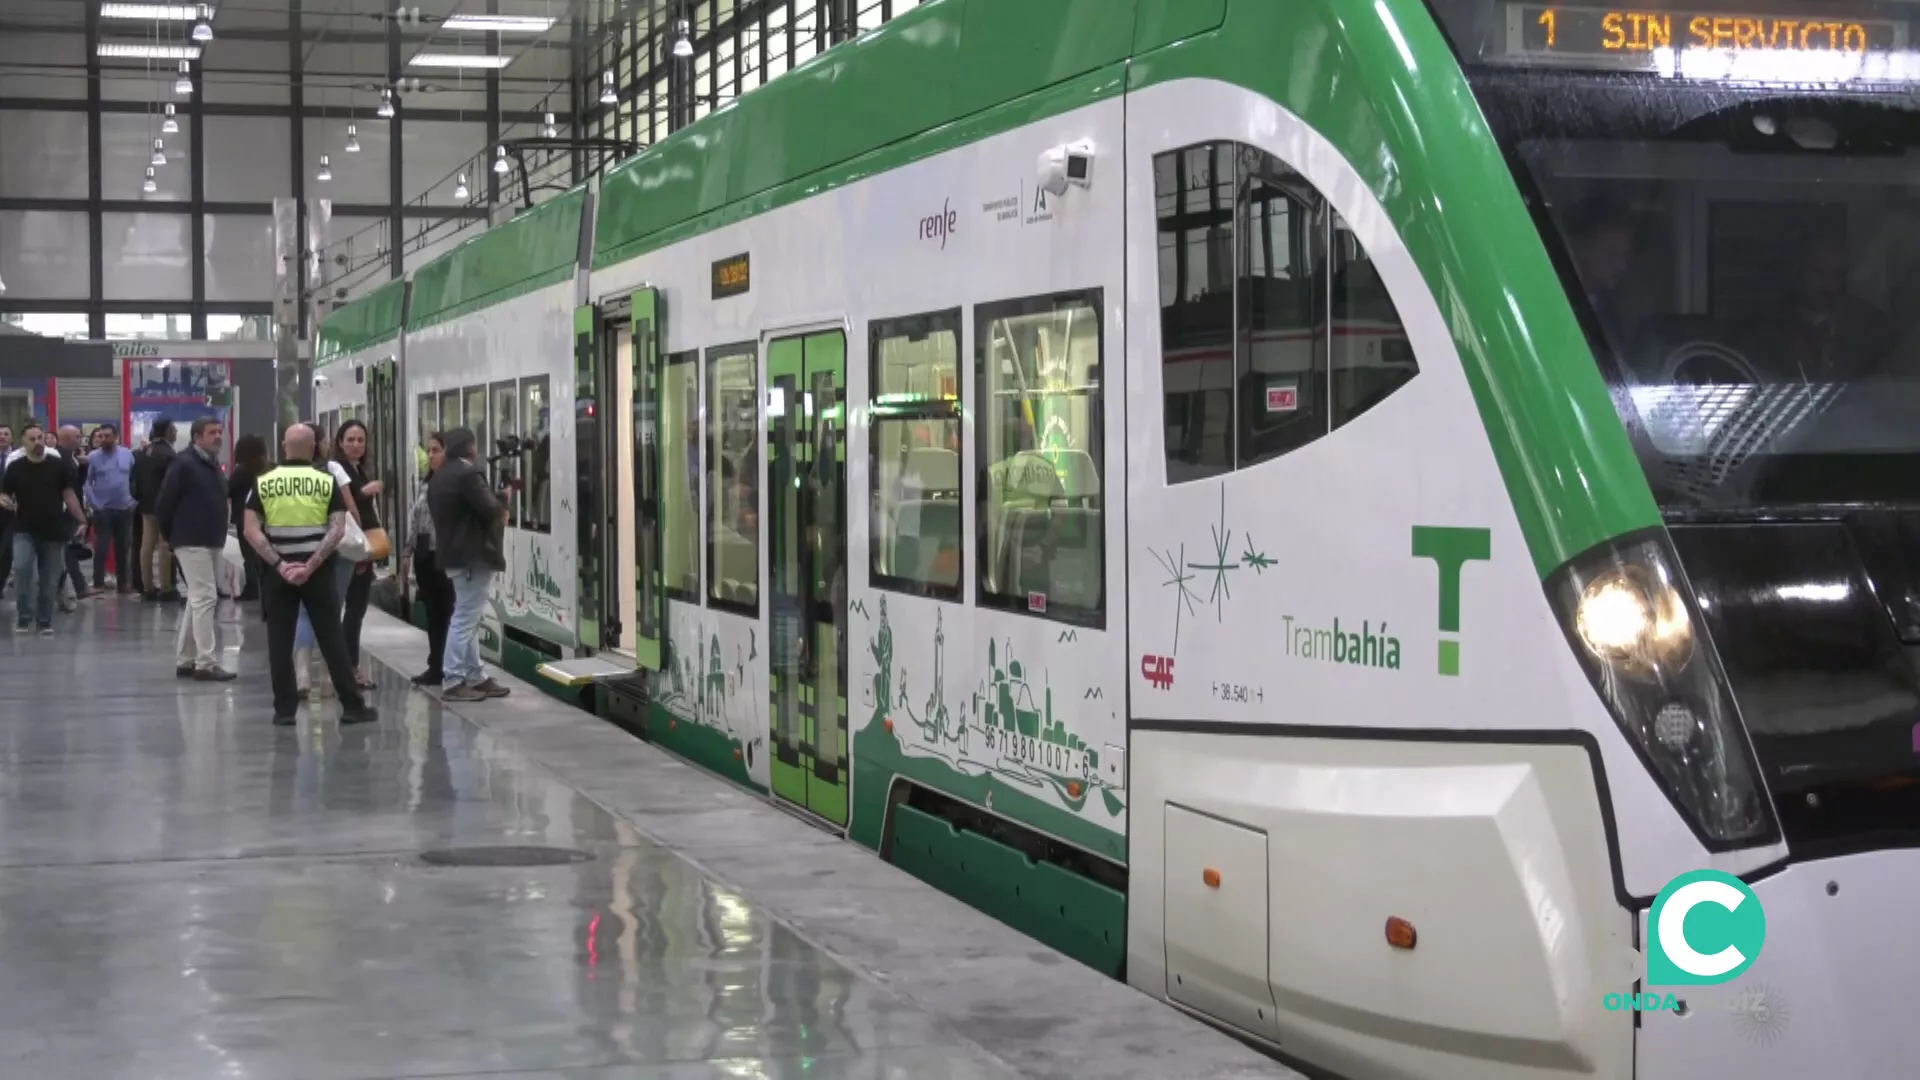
1450, 549
1706, 928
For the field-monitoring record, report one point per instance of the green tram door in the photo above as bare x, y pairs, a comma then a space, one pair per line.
616, 387
383, 416
807, 507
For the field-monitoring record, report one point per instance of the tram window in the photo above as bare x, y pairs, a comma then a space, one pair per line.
1194, 195
429, 422
733, 479
680, 477
476, 408
1041, 535
450, 410
505, 425
1243, 238
915, 432
1282, 347
536, 456
1371, 354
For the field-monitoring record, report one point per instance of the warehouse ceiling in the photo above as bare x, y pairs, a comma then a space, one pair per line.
344, 49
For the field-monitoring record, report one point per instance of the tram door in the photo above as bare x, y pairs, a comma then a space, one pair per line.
389, 444
616, 373
807, 508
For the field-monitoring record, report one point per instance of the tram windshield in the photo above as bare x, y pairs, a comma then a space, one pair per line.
1732, 193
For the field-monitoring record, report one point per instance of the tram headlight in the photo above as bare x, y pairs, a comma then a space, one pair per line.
1632, 619
1627, 611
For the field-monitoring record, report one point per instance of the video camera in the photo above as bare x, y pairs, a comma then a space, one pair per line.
504, 448
509, 448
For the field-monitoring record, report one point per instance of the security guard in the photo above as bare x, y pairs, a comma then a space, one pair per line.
295, 519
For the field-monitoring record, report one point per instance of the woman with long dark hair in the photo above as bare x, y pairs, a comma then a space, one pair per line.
351, 448
250, 462
436, 592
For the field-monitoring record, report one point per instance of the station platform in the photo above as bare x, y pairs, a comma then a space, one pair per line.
187, 891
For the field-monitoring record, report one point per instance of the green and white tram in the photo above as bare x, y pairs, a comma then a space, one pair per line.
1322, 510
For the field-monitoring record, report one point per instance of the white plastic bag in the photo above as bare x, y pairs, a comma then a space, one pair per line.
353, 546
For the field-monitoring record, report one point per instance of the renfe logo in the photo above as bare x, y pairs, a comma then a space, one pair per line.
1707, 927
1157, 670
940, 225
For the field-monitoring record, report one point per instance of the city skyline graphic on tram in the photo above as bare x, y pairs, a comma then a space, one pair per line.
1006, 728
700, 688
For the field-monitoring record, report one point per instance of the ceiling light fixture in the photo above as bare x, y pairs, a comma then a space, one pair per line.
326, 170
460, 188
683, 39
139, 50
159, 154
353, 139
499, 24
154, 12
548, 129
459, 60
169, 126
203, 30
500, 165
607, 94
184, 84
385, 112
149, 186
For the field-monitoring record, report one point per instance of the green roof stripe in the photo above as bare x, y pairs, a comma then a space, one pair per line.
539, 248
371, 320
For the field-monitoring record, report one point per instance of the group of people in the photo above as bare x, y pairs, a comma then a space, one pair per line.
115, 494
294, 518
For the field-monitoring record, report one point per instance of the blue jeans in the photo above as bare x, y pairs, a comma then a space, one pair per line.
113, 529
462, 662
342, 577
36, 573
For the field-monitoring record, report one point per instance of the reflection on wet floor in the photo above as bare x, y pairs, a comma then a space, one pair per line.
192, 893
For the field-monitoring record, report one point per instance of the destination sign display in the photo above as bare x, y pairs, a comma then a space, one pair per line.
732, 276
1637, 37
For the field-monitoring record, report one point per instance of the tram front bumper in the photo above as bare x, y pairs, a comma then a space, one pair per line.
1829, 996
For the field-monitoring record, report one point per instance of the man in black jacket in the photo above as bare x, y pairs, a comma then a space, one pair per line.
469, 523
149, 472
192, 513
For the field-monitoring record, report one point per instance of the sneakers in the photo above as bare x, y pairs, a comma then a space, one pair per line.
492, 689
23, 628
463, 692
214, 674
428, 678
46, 631
366, 714
183, 671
